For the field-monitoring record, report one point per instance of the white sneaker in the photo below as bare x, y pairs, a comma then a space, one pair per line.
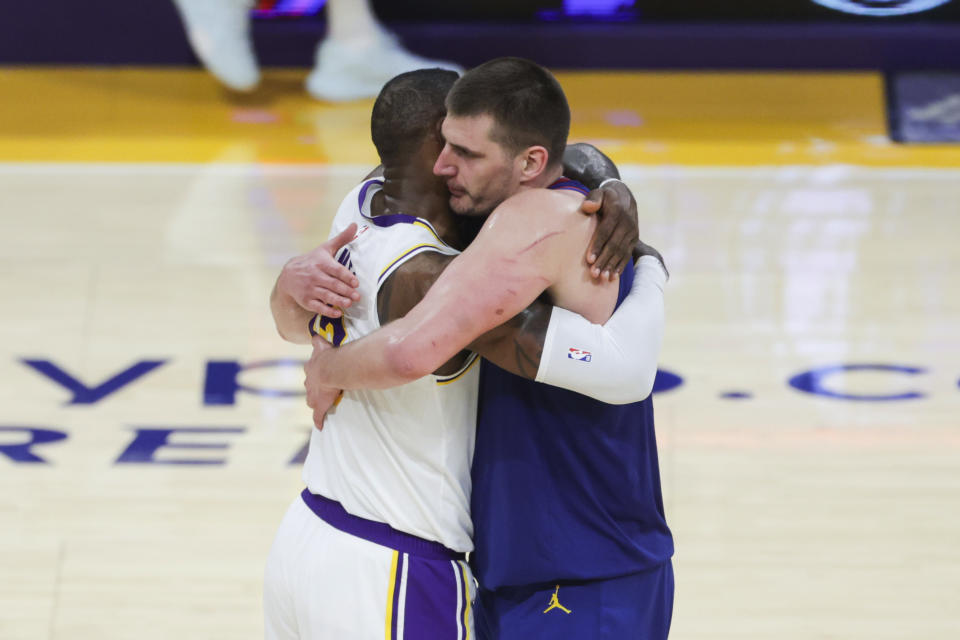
219, 32
352, 71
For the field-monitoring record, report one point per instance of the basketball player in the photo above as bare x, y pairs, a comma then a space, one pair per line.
375, 544
570, 535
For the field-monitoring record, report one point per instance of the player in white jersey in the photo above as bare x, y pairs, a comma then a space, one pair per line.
399, 459
374, 546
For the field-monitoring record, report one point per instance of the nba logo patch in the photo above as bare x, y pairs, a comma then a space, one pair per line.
579, 354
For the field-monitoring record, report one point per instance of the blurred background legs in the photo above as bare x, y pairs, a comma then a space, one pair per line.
353, 61
359, 55
219, 33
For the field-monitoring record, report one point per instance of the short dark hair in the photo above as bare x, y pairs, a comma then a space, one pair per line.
407, 109
526, 102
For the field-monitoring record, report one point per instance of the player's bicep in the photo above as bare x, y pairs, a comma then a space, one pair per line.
407, 286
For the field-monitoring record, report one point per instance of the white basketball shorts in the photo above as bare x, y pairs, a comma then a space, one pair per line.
333, 576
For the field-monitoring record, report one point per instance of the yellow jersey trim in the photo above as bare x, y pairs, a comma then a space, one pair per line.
457, 376
407, 254
426, 225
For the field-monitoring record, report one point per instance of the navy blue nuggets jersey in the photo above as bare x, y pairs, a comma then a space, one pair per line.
565, 487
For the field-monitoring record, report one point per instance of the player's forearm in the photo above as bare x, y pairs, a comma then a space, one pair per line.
363, 364
391, 356
587, 164
460, 307
290, 318
615, 362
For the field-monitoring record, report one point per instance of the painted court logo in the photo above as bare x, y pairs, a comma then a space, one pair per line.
881, 7
579, 354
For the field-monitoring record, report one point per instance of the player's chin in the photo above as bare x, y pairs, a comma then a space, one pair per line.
463, 205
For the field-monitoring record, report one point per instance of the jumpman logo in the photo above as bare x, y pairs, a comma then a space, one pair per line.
555, 602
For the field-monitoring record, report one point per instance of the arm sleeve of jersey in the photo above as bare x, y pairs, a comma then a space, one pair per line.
614, 362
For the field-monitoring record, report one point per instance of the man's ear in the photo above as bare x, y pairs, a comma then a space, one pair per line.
533, 162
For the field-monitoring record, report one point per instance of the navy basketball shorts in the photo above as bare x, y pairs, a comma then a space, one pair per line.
333, 576
634, 607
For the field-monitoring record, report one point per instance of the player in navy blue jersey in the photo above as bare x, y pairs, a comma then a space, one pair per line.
570, 535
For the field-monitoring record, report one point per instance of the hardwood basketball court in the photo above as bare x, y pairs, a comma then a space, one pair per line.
809, 453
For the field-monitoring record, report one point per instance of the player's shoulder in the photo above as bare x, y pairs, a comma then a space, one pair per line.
403, 243
411, 280
388, 229
542, 196
536, 210
539, 202
399, 232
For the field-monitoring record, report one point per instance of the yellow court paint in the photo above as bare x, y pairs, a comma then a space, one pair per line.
170, 115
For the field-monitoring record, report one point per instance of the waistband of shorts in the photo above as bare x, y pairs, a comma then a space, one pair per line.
333, 513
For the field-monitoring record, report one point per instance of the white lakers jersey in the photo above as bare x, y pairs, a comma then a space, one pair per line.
399, 456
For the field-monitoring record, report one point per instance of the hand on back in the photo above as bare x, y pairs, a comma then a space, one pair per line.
617, 230
317, 282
